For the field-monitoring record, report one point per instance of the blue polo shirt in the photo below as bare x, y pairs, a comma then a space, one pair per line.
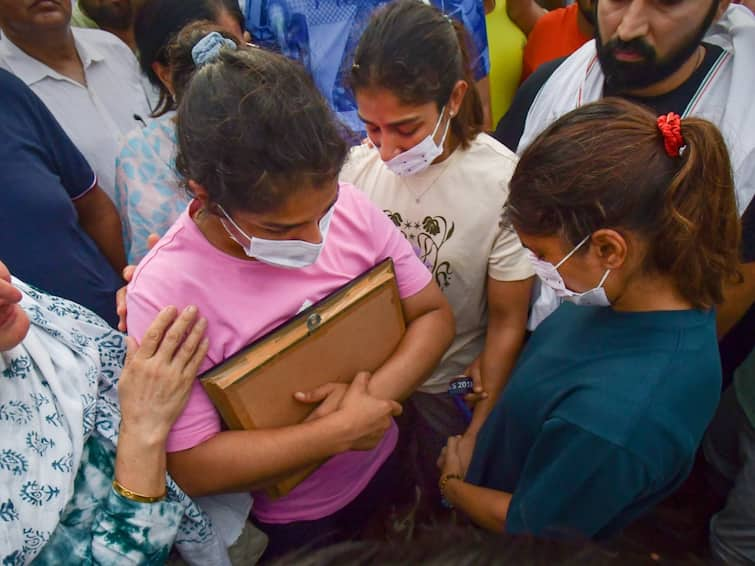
323, 35
41, 174
601, 418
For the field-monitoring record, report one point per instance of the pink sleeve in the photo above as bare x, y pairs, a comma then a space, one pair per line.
411, 274
199, 420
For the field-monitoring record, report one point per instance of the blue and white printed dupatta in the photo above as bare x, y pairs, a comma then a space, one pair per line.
58, 387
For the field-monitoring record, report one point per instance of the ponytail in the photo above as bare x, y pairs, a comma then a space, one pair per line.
699, 227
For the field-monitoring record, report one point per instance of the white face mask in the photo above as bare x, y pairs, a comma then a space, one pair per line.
291, 254
548, 273
419, 157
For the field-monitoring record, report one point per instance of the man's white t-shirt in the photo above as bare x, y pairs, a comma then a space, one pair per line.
96, 116
451, 214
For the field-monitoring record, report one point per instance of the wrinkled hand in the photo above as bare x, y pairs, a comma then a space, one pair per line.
128, 275
449, 461
365, 418
158, 375
478, 393
329, 396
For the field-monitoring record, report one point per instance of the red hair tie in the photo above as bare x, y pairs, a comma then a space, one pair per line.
670, 126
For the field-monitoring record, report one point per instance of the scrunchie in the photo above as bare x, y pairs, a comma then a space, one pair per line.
208, 48
670, 126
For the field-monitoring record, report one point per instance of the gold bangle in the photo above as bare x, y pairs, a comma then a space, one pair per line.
444, 480
133, 496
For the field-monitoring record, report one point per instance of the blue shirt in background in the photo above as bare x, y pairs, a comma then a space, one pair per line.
41, 174
601, 418
323, 35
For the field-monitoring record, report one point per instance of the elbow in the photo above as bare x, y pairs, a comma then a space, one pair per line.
185, 481
187, 473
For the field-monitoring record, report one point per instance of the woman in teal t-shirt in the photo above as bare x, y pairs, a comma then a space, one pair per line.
632, 220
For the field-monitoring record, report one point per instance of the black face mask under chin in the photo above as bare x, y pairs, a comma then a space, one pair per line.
622, 76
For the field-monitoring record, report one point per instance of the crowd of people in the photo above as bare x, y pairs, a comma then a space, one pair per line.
204, 170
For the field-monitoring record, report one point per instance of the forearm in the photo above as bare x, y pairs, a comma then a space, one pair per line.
99, 219
508, 303
488, 508
140, 462
503, 343
106, 233
426, 340
245, 460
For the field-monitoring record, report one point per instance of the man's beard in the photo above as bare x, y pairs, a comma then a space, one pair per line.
624, 76
109, 16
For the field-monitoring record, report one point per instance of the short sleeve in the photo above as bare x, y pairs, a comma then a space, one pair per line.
508, 259
574, 483
411, 274
199, 420
66, 160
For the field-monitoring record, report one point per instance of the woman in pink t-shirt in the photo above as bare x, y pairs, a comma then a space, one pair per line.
270, 230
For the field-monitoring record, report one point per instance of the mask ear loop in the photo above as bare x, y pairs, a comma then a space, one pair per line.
437, 125
603, 279
571, 253
236, 227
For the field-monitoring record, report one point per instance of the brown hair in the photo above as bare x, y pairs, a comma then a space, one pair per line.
418, 53
604, 166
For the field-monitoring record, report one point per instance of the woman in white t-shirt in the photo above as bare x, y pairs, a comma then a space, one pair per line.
443, 183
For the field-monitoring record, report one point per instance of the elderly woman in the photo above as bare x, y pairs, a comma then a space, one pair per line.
65, 489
